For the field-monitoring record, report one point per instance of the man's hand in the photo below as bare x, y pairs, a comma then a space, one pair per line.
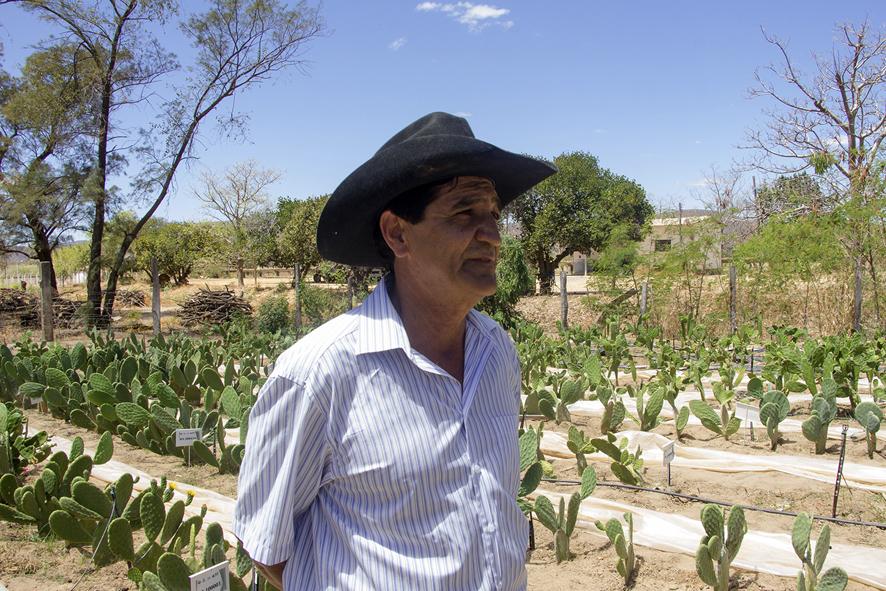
273, 573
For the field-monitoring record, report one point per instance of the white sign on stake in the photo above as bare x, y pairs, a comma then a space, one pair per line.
187, 437
748, 413
214, 578
668, 452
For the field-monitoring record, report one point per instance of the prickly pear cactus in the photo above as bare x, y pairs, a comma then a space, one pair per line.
624, 545
774, 408
810, 578
815, 428
719, 546
869, 415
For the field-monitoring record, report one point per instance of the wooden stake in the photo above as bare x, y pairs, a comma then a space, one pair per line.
856, 304
155, 296
564, 301
297, 284
46, 299
732, 296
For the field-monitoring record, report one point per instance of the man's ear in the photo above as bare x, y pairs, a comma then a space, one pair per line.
392, 231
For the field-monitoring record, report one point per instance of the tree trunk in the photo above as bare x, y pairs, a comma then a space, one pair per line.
240, 273
873, 270
44, 254
545, 277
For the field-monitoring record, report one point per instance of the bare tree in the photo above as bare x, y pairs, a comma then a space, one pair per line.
234, 199
835, 119
834, 123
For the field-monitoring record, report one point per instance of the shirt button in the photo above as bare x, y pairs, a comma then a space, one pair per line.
476, 469
489, 528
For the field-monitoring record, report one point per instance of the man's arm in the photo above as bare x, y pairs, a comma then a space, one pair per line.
286, 450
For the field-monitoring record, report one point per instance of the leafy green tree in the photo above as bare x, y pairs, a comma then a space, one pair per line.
576, 210
787, 250
297, 241
792, 195
237, 45
620, 257
513, 280
43, 113
69, 259
177, 247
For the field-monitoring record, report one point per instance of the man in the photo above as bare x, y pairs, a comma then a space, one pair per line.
382, 450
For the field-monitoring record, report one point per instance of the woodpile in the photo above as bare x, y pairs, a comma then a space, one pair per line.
21, 306
131, 298
213, 307
65, 313
26, 308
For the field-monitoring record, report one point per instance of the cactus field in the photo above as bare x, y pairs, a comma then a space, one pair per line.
756, 420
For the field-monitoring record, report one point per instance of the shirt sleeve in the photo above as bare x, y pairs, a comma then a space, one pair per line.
280, 475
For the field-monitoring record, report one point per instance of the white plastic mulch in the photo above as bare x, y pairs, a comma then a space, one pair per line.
760, 551
821, 469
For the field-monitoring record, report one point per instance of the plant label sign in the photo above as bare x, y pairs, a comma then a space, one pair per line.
214, 578
668, 453
186, 437
747, 413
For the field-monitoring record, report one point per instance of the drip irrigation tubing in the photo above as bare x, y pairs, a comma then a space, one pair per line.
716, 502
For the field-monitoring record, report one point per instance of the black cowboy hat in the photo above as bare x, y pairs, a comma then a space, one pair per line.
433, 149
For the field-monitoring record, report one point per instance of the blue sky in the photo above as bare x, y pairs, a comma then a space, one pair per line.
658, 91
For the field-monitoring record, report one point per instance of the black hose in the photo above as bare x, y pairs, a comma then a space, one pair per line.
722, 503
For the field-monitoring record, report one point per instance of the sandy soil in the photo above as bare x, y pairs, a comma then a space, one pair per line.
25, 560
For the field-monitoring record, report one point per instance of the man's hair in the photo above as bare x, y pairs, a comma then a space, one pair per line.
410, 206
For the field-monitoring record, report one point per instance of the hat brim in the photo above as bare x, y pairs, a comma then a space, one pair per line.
345, 232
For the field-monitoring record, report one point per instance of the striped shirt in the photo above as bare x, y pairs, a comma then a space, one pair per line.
369, 467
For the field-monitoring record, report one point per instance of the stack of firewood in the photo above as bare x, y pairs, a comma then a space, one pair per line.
213, 307
20, 305
131, 298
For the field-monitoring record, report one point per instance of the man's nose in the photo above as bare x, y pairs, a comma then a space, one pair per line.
488, 231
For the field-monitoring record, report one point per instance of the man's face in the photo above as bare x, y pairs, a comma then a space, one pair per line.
454, 248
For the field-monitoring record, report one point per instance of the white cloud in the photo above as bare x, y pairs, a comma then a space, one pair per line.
464, 114
599, 130
475, 16
699, 183
697, 142
397, 43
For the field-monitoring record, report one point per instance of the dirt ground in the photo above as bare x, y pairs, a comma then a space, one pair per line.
25, 560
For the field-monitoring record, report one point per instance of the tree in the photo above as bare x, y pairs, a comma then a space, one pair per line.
788, 249
238, 45
43, 114
70, 259
235, 198
619, 257
791, 195
177, 246
832, 123
297, 241
576, 210
513, 280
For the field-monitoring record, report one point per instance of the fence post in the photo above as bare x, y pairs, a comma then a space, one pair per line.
46, 298
732, 295
564, 301
856, 304
643, 292
350, 289
155, 296
296, 273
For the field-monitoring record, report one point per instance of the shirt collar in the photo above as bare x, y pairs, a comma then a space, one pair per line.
381, 328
